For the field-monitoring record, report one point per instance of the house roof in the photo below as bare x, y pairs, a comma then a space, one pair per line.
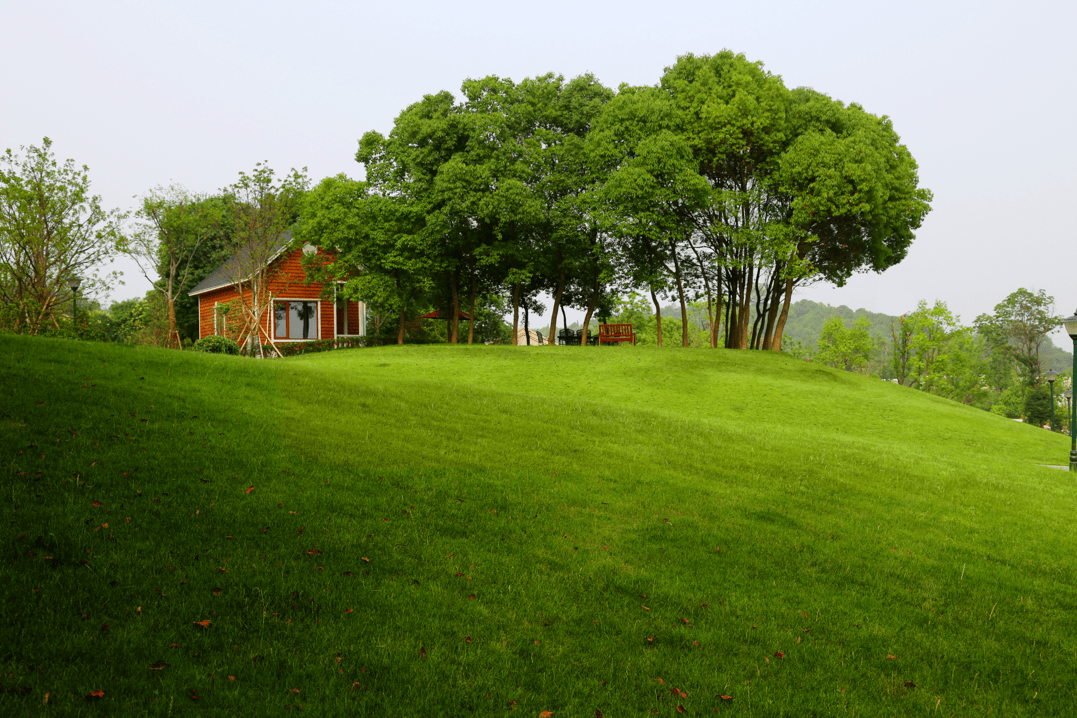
225, 275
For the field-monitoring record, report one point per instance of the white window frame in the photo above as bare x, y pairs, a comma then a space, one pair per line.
220, 322
360, 310
317, 318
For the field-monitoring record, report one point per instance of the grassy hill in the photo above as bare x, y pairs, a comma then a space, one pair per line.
411, 531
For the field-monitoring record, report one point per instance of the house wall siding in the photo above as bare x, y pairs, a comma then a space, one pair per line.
353, 318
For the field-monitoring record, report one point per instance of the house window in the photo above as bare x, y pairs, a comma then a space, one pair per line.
220, 317
295, 320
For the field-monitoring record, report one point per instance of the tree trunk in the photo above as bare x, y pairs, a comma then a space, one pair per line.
772, 315
657, 315
527, 326
744, 309
716, 324
680, 295
516, 314
552, 339
455, 322
471, 322
400, 331
712, 338
590, 311
172, 331
776, 343
730, 312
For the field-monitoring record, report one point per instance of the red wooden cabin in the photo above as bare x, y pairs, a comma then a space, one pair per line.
296, 311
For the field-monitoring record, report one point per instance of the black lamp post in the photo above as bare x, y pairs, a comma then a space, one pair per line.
73, 283
1050, 376
1068, 393
1071, 329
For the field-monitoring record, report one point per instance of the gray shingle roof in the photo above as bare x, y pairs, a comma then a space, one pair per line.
225, 275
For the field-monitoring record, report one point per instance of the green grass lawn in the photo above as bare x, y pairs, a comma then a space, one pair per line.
507, 531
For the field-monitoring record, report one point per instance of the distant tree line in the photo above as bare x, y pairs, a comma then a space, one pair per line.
997, 363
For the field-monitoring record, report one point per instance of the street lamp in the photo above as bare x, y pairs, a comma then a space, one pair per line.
1071, 329
1050, 376
73, 283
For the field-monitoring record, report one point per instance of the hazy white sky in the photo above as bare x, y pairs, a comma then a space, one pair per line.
147, 93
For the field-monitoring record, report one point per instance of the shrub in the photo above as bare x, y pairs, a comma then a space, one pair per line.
216, 345
291, 349
1038, 407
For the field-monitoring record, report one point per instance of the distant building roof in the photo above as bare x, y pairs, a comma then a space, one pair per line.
225, 275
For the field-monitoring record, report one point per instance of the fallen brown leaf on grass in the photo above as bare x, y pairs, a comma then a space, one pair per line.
158, 665
94, 695
203, 624
545, 714
249, 489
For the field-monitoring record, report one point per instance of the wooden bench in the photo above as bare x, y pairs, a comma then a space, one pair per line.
610, 333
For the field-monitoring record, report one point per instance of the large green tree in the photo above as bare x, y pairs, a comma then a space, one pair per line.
51, 228
652, 193
843, 347
804, 187
172, 225
263, 209
381, 254
1019, 327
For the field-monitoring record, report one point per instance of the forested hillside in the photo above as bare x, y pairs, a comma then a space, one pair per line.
806, 320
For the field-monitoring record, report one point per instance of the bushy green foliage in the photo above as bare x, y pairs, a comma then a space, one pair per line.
216, 345
1038, 407
290, 349
842, 347
1018, 328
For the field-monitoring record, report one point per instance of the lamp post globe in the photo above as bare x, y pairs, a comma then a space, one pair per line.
1051, 376
1071, 328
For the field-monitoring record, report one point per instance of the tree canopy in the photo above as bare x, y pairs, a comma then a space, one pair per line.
718, 183
51, 229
